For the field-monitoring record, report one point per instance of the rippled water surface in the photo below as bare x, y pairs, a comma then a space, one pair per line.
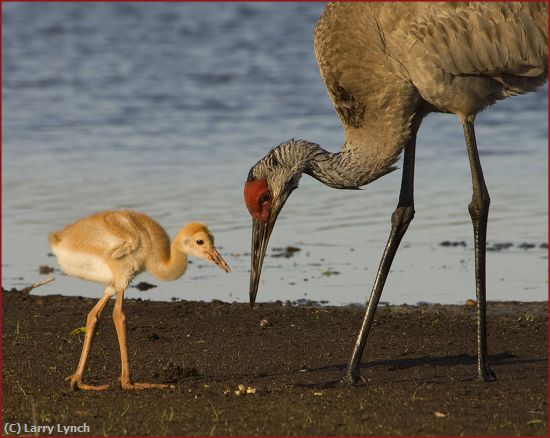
163, 108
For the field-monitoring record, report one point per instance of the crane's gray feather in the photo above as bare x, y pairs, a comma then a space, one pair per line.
388, 64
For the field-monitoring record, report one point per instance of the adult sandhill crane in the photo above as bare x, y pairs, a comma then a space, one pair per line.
386, 66
112, 247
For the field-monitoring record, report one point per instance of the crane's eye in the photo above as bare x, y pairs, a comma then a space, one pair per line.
265, 198
200, 242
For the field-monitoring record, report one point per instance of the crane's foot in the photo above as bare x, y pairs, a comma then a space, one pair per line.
76, 384
486, 374
141, 385
352, 377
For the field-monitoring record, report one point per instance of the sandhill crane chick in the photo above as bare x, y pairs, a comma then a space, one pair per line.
112, 247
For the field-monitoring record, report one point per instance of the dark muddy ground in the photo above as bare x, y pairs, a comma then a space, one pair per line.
419, 364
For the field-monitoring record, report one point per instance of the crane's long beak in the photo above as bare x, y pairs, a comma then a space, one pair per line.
260, 238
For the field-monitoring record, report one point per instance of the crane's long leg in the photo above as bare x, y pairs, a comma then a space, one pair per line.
91, 321
479, 211
400, 220
120, 325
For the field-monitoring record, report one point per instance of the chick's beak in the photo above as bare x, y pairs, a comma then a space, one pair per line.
214, 256
260, 237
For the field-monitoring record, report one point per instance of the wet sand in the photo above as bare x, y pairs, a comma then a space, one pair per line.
419, 365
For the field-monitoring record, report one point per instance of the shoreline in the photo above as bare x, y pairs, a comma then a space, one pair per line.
306, 272
496, 305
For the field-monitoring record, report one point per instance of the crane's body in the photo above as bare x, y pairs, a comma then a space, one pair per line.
112, 247
386, 66
385, 63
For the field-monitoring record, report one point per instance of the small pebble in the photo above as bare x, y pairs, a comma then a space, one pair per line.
243, 390
44, 269
251, 390
143, 285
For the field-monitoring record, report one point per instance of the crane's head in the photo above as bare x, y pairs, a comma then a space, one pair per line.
270, 182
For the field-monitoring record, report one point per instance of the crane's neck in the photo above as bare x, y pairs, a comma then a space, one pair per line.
345, 169
350, 168
170, 264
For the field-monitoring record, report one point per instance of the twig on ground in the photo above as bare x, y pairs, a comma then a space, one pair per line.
27, 289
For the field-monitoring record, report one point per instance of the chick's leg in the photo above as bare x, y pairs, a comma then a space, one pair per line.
91, 322
120, 325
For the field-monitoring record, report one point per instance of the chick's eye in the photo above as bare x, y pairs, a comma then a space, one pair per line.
266, 197
200, 242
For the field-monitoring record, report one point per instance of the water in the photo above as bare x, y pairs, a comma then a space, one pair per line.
163, 108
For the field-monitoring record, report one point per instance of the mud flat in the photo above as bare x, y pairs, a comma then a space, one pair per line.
419, 365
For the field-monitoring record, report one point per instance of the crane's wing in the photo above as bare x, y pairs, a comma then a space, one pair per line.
123, 228
368, 53
507, 41
341, 39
